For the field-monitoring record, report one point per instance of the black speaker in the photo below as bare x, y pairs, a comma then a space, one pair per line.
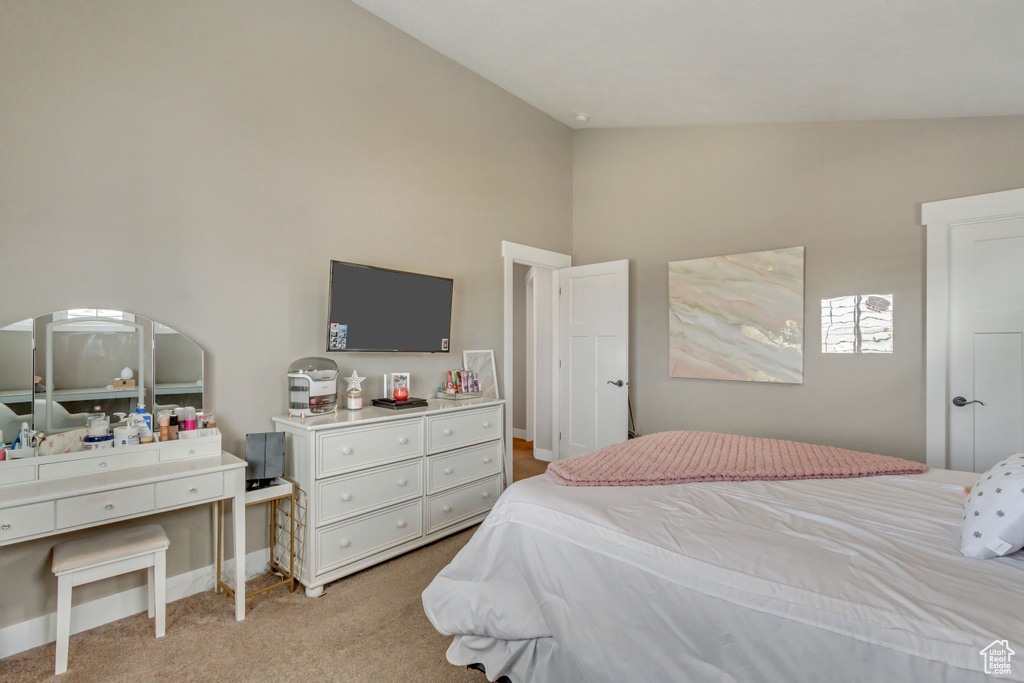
264, 458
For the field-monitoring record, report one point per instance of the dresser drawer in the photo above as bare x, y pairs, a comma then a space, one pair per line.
188, 448
353, 494
98, 507
26, 520
350, 541
189, 490
97, 464
451, 469
448, 508
346, 450
466, 428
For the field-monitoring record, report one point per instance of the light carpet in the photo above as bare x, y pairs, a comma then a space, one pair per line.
366, 627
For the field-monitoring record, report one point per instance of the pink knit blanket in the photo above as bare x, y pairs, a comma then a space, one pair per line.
680, 457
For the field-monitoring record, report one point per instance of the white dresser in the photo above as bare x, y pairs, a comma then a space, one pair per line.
380, 482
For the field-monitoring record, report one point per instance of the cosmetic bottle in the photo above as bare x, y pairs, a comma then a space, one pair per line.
172, 428
164, 422
190, 419
141, 411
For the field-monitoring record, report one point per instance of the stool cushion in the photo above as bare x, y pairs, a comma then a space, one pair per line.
114, 545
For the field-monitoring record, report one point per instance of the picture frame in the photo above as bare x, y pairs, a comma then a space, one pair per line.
393, 379
482, 363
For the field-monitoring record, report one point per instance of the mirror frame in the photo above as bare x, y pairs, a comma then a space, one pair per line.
44, 325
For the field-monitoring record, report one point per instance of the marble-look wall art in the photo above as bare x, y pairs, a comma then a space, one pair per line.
738, 317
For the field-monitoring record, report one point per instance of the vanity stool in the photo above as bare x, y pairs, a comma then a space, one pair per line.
85, 560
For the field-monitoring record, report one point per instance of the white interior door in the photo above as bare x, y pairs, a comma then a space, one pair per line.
593, 356
986, 351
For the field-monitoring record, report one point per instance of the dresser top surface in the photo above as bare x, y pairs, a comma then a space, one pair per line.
371, 414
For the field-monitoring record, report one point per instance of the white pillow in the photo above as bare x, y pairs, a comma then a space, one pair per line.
994, 511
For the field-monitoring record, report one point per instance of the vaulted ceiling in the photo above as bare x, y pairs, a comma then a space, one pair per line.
672, 62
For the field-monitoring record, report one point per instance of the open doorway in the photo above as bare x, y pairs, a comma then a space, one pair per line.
533, 371
519, 259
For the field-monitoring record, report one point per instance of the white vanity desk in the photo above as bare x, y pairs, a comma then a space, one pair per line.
55, 494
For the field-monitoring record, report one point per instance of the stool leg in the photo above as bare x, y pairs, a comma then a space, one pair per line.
64, 586
151, 599
160, 590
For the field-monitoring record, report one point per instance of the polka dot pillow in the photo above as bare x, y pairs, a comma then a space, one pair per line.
994, 511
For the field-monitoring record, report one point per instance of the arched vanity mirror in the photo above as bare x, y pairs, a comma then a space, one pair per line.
57, 368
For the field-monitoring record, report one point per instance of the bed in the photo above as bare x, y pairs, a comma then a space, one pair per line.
857, 579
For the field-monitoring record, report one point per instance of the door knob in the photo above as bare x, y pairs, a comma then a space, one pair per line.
618, 383
960, 402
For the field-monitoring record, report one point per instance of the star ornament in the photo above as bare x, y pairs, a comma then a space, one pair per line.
354, 382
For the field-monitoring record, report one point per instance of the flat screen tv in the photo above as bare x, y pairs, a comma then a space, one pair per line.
376, 309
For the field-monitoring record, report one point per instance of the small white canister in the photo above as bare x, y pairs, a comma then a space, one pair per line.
126, 436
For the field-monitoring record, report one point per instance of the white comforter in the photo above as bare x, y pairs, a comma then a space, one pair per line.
839, 579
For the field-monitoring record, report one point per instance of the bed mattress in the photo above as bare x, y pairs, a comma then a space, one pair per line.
837, 579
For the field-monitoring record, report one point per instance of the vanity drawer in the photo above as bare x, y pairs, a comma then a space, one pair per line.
184, 449
26, 520
350, 541
97, 464
15, 472
451, 469
341, 497
448, 508
189, 490
98, 507
346, 450
452, 431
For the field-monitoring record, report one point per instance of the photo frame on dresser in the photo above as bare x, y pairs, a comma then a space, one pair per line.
482, 363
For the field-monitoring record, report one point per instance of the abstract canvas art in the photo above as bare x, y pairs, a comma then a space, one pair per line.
738, 317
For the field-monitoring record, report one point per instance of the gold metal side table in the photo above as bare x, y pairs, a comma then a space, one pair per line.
275, 494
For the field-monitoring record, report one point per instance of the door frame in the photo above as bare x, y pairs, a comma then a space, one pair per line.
512, 254
939, 218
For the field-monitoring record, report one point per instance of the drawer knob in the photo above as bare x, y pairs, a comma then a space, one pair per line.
109, 506
344, 543
447, 432
447, 508
401, 524
5, 527
403, 441
346, 451
487, 425
447, 470
402, 482
487, 461
193, 490
486, 494
192, 451
103, 463
346, 497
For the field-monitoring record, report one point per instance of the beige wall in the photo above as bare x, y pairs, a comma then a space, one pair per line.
849, 192
200, 163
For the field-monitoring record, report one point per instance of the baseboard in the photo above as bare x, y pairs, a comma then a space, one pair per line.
42, 630
543, 454
520, 434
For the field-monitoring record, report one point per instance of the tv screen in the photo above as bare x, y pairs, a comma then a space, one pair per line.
376, 309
